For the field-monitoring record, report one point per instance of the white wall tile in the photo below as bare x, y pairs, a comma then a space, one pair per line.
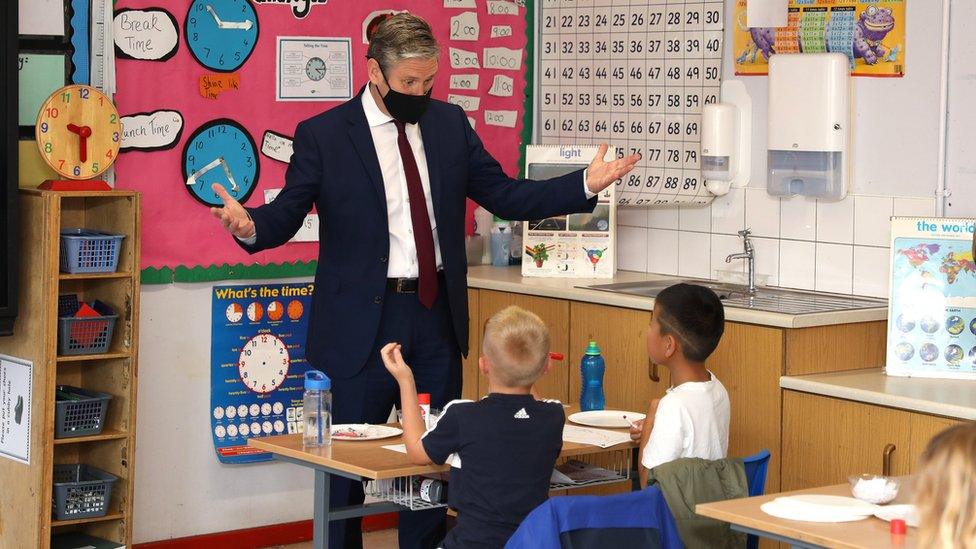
729, 212
798, 218
762, 212
920, 207
872, 220
695, 219
767, 259
662, 251
694, 255
797, 261
632, 248
722, 246
835, 268
663, 218
632, 217
835, 221
871, 271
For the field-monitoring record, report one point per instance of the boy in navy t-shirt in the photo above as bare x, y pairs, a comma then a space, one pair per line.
507, 443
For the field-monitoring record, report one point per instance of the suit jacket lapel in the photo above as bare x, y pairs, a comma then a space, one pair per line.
431, 143
362, 140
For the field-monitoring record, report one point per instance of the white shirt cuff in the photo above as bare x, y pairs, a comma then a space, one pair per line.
586, 189
249, 240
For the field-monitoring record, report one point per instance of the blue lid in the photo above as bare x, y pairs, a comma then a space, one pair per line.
317, 381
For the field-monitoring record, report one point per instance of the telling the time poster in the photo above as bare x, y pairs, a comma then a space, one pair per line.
932, 307
257, 356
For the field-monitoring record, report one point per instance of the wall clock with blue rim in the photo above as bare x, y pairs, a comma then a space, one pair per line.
221, 34
220, 151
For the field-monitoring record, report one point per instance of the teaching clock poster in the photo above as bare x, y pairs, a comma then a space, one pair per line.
932, 306
257, 356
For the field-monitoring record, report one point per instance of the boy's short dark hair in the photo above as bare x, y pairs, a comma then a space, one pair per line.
694, 315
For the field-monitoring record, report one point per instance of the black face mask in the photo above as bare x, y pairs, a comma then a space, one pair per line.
404, 107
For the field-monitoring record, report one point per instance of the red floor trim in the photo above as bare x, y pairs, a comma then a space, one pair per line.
264, 536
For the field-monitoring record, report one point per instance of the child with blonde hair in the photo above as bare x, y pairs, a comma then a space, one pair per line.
507, 442
945, 490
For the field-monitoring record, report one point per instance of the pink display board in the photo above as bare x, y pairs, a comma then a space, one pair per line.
177, 230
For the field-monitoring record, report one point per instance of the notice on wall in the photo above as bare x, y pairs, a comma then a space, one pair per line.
932, 302
257, 355
870, 33
148, 35
575, 245
314, 69
15, 408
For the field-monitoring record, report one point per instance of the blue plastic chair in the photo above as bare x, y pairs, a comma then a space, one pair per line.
756, 467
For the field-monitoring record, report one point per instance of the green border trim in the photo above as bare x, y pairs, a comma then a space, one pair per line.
240, 271
527, 106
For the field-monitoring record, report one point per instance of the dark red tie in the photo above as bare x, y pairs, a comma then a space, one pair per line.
423, 237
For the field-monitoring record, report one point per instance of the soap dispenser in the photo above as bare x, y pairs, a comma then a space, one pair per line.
809, 149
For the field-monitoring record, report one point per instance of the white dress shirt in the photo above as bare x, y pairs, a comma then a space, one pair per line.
403, 250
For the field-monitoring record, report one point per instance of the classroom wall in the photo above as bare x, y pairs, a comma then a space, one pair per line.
184, 491
181, 488
801, 243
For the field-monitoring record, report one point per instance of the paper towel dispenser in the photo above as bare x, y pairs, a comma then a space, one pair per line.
809, 149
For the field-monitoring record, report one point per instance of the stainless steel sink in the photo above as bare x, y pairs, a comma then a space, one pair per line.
776, 300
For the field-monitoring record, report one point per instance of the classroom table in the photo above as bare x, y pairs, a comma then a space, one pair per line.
745, 516
368, 460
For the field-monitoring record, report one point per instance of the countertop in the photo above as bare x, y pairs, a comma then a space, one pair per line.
942, 397
509, 279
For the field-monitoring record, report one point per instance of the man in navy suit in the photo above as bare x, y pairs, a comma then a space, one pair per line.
389, 173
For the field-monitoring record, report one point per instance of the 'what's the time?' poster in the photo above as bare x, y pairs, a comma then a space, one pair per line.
257, 356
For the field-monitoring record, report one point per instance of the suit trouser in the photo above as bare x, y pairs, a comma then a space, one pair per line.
430, 348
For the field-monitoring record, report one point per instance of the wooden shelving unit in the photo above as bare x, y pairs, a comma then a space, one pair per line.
25, 503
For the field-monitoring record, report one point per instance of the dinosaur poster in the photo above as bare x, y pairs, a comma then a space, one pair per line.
870, 32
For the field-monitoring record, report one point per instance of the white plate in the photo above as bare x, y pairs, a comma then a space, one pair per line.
614, 419
829, 504
777, 509
362, 431
908, 513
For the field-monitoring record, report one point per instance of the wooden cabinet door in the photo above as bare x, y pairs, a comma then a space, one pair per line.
924, 427
555, 313
749, 362
469, 365
825, 440
621, 335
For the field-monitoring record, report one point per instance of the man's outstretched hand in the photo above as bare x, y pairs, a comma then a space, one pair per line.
601, 174
232, 216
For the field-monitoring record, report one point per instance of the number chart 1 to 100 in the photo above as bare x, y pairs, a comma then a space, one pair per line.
635, 75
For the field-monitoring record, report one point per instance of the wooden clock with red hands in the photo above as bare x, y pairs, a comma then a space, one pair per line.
78, 134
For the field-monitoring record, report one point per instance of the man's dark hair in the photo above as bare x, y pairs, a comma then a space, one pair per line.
692, 314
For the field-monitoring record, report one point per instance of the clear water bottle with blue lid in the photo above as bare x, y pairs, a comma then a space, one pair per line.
318, 410
591, 370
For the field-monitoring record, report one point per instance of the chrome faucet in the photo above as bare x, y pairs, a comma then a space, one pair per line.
748, 253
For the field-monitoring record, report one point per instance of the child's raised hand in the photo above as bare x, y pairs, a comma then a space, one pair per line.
393, 360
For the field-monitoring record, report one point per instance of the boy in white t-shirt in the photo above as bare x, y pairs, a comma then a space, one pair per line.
692, 419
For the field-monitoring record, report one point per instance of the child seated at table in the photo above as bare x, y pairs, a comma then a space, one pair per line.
508, 441
945, 490
692, 419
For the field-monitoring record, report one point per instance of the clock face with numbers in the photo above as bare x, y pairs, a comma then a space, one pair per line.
78, 132
263, 363
315, 69
220, 151
221, 34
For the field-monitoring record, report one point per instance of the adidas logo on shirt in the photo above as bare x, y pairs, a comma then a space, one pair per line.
521, 414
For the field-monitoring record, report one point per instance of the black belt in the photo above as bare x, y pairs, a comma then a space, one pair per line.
408, 285
402, 285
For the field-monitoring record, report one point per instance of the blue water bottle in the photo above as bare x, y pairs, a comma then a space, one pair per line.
317, 410
591, 370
